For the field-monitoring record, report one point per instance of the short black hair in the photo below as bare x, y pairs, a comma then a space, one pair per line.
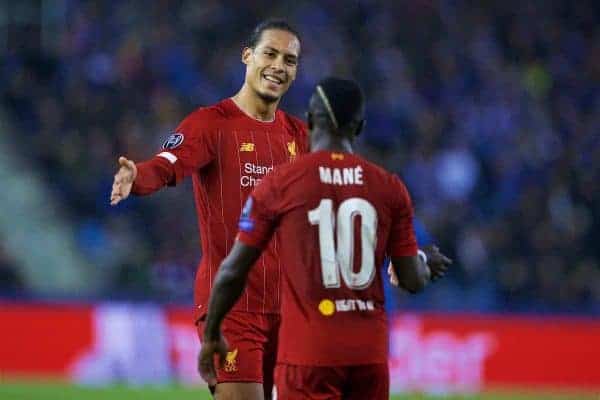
266, 25
343, 103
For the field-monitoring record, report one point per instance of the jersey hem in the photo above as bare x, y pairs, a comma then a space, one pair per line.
330, 364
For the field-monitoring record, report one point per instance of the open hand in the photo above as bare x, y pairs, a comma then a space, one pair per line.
436, 261
123, 181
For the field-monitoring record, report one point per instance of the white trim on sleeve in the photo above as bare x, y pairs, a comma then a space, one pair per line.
172, 158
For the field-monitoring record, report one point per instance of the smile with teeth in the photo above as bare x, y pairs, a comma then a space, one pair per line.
273, 79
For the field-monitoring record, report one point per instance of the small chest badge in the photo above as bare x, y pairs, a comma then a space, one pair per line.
291, 147
247, 147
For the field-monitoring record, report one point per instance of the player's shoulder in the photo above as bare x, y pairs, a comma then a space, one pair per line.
293, 123
291, 172
381, 175
205, 120
372, 167
211, 113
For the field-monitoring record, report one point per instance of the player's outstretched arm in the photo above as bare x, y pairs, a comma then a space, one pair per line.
123, 181
146, 177
227, 288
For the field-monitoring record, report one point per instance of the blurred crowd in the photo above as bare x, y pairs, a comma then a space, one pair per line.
490, 112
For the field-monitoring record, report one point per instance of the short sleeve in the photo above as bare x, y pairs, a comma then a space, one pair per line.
259, 215
402, 241
191, 146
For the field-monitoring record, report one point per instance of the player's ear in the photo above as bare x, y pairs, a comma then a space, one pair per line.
246, 54
360, 127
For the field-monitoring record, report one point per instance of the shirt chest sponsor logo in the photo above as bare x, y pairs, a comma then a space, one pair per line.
329, 307
253, 173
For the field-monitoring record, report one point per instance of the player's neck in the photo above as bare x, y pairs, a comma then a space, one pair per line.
324, 141
253, 106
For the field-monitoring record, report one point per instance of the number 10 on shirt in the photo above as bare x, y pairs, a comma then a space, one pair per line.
337, 264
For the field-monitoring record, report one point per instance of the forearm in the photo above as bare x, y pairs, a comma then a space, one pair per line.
153, 175
227, 289
423, 275
412, 272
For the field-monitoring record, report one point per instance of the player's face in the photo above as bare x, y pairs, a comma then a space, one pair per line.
271, 66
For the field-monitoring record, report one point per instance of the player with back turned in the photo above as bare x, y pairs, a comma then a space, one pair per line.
337, 216
228, 148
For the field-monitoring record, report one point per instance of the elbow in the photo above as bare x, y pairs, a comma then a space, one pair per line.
225, 275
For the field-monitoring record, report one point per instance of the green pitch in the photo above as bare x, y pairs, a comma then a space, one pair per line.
57, 391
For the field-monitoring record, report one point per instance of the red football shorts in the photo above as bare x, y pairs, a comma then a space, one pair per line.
252, 339
358, 382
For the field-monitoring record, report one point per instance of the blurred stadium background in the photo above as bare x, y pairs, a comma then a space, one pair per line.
489, 110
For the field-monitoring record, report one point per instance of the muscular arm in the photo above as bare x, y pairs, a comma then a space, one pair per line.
228, 286
412, 273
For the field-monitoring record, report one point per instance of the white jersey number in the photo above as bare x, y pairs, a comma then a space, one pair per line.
341, 261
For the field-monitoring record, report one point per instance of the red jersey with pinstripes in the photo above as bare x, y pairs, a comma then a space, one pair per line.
343, 215
228, 153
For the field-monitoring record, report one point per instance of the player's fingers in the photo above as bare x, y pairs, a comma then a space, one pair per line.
130, 164
116, 192
222, 356
116, 189
127, 163
207, 369
207, 372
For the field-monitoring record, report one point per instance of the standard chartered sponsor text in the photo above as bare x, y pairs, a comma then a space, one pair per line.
252, 174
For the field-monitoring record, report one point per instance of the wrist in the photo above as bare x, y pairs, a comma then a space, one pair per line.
210, 336
421, 254
211, 332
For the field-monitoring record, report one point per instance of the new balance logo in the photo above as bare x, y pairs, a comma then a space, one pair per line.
247, 147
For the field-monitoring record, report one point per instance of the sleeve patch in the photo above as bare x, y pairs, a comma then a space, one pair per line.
246, 223
173, 141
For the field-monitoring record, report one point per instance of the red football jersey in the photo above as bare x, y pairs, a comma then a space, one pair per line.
337, 216
227, 153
